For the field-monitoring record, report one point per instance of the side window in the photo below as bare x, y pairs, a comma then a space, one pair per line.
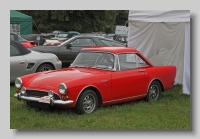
75, 42
14, 51
141, 62
130, 61
110, 43
82, 42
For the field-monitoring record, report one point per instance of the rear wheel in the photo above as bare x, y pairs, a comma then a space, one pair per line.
44, 67
154, 91
87, 102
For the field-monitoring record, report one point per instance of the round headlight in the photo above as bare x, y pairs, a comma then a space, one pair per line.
23, 90
62, 88
18, 83
50, 93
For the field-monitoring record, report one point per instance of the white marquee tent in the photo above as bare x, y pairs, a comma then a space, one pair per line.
164, 38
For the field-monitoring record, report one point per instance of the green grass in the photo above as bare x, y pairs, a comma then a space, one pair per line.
171, 112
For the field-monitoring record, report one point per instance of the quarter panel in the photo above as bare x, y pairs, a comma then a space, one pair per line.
166, 74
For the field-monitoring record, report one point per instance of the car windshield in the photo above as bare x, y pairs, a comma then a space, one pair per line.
63, 43
99, 60
62, 35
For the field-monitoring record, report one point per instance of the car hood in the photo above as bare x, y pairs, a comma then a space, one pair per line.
50, 80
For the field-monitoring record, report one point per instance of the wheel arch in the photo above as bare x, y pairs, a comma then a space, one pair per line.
159, 81
93, 88
46, 63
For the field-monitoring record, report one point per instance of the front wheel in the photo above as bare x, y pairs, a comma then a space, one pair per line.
154, 91
87, 102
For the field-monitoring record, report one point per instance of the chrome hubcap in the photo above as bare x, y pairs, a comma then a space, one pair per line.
153, 92
89, 103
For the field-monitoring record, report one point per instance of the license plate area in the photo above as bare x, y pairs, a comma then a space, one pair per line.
40, 105
45, 99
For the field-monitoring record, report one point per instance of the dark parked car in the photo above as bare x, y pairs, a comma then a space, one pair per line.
68, 50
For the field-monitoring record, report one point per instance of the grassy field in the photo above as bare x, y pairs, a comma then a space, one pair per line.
171, 112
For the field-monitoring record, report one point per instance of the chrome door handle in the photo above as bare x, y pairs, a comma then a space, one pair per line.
22, 62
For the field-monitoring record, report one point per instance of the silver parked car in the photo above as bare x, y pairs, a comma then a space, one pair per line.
24, 61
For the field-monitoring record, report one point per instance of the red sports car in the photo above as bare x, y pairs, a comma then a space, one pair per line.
99, 76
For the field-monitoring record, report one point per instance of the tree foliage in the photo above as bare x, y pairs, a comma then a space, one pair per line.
78, 20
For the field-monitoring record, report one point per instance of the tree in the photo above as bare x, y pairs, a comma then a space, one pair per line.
78, 20
122, 17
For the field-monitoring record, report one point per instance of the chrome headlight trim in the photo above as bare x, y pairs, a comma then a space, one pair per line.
18, 83
62, 88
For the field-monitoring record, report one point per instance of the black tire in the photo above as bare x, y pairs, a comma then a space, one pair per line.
87, 102
154, 92
44, 67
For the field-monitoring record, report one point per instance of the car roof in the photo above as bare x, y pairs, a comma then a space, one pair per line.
115, 50
92, 36
112, 49
89, 35
69, 32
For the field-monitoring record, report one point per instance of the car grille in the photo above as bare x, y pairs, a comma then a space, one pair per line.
38, 94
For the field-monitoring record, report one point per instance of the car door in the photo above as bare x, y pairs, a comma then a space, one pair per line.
17, 63
129, 79
67, 55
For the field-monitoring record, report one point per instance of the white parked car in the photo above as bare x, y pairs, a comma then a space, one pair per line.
24, 61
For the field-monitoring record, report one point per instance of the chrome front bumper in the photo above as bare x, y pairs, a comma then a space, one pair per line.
52, 102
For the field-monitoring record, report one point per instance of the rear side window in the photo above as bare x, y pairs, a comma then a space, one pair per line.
14, 51
83, 42
130, 61
111, 43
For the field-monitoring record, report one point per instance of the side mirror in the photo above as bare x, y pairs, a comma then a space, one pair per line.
68, 46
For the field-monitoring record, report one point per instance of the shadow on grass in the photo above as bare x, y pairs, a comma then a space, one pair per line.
52, 110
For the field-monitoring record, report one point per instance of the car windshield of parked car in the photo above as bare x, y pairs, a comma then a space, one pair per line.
62, 35
57, 31
99, 60
67, 41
